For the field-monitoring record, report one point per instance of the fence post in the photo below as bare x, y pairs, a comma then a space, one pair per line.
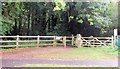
115, 35
90, 41
17, 41
64, 41
72, 40
112, 42
78, 40
54, 42
38, 39
0, 41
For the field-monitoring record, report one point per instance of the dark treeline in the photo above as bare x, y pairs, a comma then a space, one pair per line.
50, 18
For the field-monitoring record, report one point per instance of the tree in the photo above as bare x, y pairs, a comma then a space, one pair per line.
59, 18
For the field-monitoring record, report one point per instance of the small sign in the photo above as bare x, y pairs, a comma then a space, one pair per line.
115, 32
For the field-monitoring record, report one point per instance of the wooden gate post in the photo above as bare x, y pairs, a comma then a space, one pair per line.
115, 35
54, 42
112, 42
78, 40
64, 41
72, 40
38, 39
17, 41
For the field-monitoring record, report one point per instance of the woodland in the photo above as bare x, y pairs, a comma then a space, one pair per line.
59, 18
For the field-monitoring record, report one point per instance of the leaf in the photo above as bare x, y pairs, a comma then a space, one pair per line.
56, 8
91, 23
81, 21
71, 17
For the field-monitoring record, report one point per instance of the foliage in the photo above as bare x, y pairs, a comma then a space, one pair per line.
61, 30
99, 14
5, 25
53, 18
60, 5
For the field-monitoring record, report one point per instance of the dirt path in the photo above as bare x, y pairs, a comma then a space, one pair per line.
20, 57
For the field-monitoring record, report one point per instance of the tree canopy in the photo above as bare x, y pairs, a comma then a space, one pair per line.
59, 18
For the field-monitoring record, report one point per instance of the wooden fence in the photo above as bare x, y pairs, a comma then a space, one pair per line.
19, 41
94, 41
79, 41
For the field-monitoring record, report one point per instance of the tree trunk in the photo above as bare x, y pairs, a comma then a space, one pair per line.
33, 21
28, 23
20, 24
16, 28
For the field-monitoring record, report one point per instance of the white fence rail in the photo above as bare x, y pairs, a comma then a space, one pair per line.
20, 41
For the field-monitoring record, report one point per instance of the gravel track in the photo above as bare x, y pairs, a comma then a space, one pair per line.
17, 58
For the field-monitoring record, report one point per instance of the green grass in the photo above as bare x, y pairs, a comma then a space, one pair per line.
102, 53
23, 45
81, 54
